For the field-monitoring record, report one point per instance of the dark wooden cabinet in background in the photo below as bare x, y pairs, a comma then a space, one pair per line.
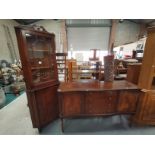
37, 53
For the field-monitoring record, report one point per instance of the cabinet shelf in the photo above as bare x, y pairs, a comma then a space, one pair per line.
39, 50
35, 68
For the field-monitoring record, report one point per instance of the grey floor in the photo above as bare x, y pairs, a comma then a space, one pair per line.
15, 120
113, 125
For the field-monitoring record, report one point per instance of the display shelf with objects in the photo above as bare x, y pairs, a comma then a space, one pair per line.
85, 70
61, 65
38, 58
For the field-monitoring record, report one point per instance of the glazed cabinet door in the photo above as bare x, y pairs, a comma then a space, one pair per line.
41, 58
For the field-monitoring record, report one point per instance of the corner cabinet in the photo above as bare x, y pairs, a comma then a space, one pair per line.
37, 53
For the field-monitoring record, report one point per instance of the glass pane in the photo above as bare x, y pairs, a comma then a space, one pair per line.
40, 54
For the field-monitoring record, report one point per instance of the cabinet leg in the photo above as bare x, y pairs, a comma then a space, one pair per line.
40, 130
62, 125
130, 124
120, 118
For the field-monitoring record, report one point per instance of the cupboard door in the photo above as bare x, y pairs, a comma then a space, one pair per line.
149, 108
71, 104
101, 102
127, 101
47, 104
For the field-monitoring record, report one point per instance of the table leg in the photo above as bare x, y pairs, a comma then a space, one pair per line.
120, 118
62, 125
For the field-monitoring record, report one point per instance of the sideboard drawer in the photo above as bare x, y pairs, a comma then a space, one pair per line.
71, 104
100, 102
127, 101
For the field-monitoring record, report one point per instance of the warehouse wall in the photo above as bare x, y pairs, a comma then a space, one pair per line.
4, 50
126, 32
52, 26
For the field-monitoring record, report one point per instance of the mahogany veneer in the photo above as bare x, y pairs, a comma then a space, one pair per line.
97, 98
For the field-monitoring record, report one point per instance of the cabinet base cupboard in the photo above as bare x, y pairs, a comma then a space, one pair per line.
37, 53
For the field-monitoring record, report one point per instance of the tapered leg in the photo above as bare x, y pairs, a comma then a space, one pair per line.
120, 118
62, 125
40, 130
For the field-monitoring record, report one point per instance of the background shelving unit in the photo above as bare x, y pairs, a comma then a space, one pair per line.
61, 66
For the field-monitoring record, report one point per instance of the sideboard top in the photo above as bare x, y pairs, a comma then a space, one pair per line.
95, 85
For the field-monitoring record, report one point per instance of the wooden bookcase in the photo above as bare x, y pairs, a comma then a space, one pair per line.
61, 66
37, 53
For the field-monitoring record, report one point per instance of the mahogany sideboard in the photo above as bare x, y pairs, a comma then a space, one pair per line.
96, 98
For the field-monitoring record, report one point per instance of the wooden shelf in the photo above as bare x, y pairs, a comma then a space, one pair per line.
60, 63
61, 73
34, 68
39, 50
61, 54
60, 60
61, 68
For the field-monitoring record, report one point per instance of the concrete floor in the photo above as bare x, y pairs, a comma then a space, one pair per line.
15, 120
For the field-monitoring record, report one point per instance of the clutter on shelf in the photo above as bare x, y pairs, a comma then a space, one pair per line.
10, 73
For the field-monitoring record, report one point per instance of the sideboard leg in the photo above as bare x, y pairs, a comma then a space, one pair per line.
40, 130
62, 125
120, 118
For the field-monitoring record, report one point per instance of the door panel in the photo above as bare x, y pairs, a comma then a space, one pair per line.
47, 103
101, 102
149, 109
71, 104
127, 101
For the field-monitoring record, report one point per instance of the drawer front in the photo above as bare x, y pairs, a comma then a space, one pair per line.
71, 104
128, 101
100, 102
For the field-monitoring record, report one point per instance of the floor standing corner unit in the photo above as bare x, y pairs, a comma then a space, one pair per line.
37, 53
